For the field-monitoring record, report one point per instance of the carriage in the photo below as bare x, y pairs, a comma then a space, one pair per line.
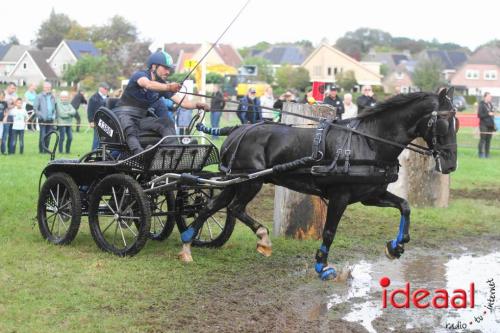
128, 198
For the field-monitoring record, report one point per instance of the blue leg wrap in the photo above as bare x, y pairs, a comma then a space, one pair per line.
187, 235
399, 238
328, 274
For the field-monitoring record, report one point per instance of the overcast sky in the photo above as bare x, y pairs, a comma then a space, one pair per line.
273, 21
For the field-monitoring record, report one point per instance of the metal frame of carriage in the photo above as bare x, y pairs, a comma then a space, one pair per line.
128, 198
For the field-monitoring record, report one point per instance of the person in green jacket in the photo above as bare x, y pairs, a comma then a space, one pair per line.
65, 113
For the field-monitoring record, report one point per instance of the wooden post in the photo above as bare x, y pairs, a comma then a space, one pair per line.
419, 183
295, 214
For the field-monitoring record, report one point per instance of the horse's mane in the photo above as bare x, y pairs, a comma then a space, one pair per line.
394, 102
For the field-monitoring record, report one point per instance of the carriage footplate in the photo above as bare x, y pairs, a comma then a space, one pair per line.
189, 179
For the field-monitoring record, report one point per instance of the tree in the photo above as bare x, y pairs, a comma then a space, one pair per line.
259, 47
53, 30
264, 70
11, 40
132, 56
88, 68
346, 80
288, 77
427, 75
78, 32
214, 78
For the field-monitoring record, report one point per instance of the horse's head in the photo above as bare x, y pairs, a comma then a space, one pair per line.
439, 130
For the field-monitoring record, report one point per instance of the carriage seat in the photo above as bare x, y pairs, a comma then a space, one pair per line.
111, 133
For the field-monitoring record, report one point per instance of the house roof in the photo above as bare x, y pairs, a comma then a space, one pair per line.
3, 49
340, 53
81, 48
14, 52
449, 59
398, 58
40, 58
174, 49
287, 54
488, 55
228, 53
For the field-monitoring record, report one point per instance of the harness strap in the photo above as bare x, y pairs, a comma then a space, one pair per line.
319, 142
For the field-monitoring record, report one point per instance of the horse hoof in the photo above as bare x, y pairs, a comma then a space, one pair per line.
185, 257
393, 253
266, 251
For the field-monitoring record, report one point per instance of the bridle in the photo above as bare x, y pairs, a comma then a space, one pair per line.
436, 149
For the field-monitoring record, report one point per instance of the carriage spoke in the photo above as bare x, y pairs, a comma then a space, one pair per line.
62, 221
122, 199
111, 209
57, 196
131, 230
131, 217
109, 225
210, 231
114, 198
217, 222
116, 231
53, 197
64, 206
129, 206
53, 223
121, 232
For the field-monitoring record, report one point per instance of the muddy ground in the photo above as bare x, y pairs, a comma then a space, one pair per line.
285, 295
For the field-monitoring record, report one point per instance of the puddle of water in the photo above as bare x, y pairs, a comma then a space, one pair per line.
363, 294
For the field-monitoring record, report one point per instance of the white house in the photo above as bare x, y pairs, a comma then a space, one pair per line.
9, 55
48, 64
32, 67
68, 52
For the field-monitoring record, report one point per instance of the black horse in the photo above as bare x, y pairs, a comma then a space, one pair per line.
389, 127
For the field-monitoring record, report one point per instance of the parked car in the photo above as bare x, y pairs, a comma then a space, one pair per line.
460, 103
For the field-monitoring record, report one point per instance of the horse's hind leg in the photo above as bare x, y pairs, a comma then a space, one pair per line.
219, 202
245, 194
394, 248
337, 204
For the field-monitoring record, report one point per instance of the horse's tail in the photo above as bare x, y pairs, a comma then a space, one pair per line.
224, 131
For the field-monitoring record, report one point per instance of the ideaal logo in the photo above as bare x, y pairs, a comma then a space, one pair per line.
439, 299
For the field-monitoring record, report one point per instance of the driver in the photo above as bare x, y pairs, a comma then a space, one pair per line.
145, 88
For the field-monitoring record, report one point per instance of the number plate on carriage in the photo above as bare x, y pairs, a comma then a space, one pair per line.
105, 127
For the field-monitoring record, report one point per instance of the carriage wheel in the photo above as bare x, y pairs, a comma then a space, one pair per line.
59, 209
217, 228
119, 215
161, 223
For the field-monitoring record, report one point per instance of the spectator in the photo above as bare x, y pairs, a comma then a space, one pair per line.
267, 101
10, 99
249, 110
486, 125
45, 111
334, 100
366, 100
19, 117
65, 113
3, 118
95, 102
350, 109
217, 103
78, 100
286, 97
29, 99
289, 97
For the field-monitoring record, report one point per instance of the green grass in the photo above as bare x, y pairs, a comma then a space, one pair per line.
78, 288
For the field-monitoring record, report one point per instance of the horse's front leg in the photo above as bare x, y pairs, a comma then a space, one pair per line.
394, 248
337, 204
219, 202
